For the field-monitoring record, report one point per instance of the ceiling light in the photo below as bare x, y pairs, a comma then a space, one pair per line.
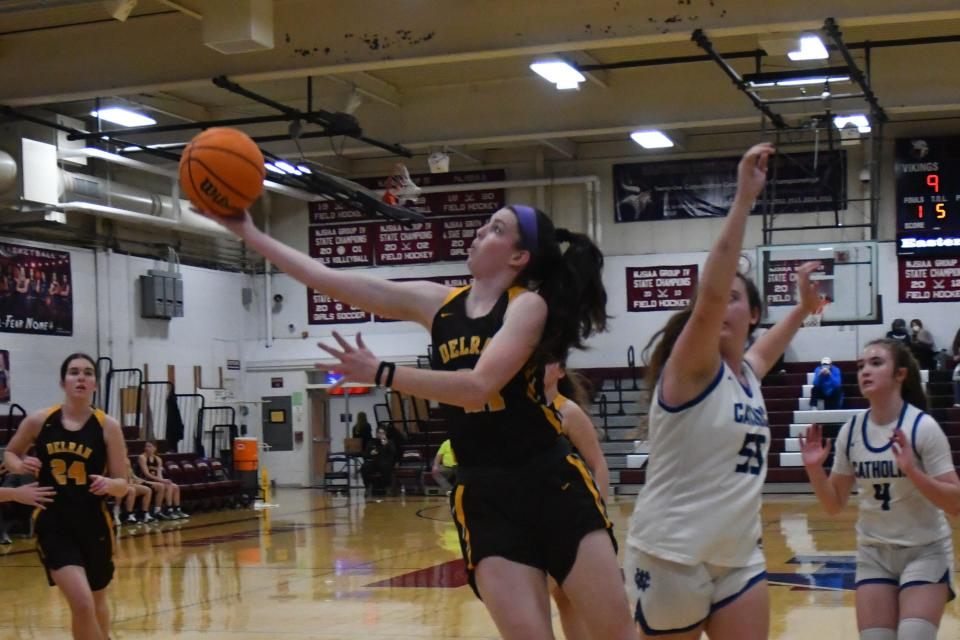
812, 80
858, 120
559, 72
123, 117
651, 139
286, 167
811, 48
270, 167
304, 168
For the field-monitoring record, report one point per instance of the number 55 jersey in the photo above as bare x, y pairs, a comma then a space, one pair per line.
705, 473
892, 509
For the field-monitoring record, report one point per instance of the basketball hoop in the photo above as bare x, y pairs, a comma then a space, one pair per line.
814, 319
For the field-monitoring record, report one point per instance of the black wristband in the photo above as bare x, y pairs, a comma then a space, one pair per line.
391, 369
376, 378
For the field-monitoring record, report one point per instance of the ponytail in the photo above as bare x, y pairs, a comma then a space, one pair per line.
575, 387
912, 388
570, 281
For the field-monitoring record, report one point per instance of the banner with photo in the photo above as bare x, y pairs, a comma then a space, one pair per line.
704, 188
36, 291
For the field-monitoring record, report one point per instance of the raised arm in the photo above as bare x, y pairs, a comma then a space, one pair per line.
583, 435
770, 346
508, 351
696, 355
832, 491
415, 301
941, 486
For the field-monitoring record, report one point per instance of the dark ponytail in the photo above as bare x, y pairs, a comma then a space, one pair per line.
571, 283
575, 387
660, 346
912, 389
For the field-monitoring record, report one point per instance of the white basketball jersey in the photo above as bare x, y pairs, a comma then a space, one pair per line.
892, 509
707, 464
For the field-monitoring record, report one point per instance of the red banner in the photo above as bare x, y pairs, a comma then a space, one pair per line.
660, 288
342, 245
323, 309
929, 280
456, 235
405, 244
780, 281
447, 281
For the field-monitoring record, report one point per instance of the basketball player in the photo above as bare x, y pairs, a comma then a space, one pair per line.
166, 506
693, 561
80, 453
900, 459
137, 487
566, 394
524, 506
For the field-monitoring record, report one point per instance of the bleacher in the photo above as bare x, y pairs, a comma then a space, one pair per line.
620, 406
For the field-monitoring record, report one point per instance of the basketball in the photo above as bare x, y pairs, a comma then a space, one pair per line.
222, 171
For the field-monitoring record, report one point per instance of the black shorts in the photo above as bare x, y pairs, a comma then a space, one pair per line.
535, 516
77, 536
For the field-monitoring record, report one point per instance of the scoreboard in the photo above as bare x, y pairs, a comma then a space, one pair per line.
928, 195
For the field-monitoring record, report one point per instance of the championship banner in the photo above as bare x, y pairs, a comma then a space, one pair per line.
344, 237
36, 295
447, 281
704, 188
661, 288
322, 309
780, 281
930, 280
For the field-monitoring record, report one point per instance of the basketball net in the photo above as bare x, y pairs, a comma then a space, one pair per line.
814, 319
399, 188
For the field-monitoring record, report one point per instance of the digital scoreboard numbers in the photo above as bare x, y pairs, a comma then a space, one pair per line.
928, 195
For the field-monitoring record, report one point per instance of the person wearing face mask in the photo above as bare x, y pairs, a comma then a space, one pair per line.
901, 461
921, 343
827, 386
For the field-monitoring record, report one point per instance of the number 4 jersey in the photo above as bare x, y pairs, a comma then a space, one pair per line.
707, 464
69, 458
892, 509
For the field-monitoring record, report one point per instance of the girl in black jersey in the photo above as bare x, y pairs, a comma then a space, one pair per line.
80, 453
525, 506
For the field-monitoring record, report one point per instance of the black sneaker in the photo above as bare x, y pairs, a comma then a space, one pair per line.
160, 515
5, 539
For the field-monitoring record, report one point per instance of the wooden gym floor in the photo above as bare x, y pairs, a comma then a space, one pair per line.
324, 566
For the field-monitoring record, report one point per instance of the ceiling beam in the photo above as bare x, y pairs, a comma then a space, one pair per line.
598, 77
564, 146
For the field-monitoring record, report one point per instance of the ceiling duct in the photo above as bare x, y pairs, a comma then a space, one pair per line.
238, 26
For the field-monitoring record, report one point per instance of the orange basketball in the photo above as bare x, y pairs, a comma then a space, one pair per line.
222, 171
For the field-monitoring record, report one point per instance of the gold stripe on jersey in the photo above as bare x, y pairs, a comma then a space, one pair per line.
462, 520
513, 292
113, 538
591, 485
100, 416
551, 413
453, 294
52, 410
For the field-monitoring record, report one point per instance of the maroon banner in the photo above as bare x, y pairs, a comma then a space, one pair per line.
323, 309
475, 202
780, 281
931, 280
456, 234
342, 245
406, 244
660, 288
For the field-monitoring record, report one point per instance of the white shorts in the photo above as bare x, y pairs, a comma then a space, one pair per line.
674, 598
906, 566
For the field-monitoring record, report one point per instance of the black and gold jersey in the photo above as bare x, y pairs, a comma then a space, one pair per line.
517, 423
69, 458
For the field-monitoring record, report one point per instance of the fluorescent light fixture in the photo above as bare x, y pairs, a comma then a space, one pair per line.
271, 167
858, 120
304, 168
286, 167
812, 80
825, 249
558, 72
651, 139
811, 48
123, 117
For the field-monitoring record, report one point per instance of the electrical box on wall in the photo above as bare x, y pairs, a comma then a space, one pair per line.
161, 295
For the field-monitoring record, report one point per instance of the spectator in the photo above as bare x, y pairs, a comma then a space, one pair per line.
379, 459
363, 430
827, 386
444, 467
921, 343
898, 331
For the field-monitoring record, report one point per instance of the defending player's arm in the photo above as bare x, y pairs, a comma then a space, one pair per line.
415, 301
116, 483
696, 358
32, 495
15, 456
583, 435
770, 346
832, 491
941, 486
508, 350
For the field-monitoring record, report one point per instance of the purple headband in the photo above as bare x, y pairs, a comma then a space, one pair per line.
527, 219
